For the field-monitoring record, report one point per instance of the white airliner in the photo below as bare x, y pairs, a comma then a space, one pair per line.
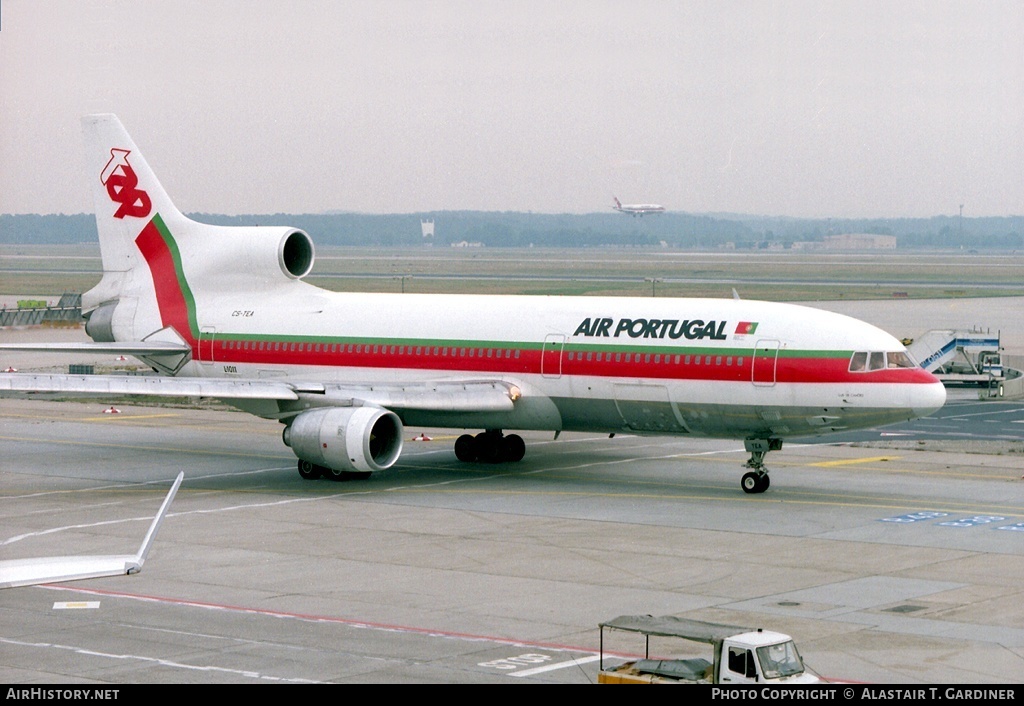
223, 312
637, 209
29, 572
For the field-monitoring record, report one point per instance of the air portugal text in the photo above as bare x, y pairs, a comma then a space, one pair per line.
652, 328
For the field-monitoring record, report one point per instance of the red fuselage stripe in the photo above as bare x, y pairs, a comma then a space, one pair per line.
529, 361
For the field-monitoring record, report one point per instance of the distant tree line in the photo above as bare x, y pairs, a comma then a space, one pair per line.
515, 229
49, 229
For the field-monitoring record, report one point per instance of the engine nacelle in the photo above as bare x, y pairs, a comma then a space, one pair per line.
253, 252
99, 323
347, 438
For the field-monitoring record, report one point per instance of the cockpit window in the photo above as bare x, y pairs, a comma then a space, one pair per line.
863, 361
900, 359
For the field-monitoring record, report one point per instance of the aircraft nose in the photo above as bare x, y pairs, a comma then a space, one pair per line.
928, 399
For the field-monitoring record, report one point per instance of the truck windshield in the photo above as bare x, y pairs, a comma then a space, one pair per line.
781, 660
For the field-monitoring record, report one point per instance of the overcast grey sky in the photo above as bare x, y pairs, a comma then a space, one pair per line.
873, 108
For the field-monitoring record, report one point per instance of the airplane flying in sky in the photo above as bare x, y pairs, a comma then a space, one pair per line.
224, 312
637, 209
29, 572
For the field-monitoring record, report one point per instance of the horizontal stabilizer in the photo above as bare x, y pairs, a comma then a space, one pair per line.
28, 572
135, 349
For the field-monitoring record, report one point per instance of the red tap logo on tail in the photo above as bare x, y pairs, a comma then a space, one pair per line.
120, 180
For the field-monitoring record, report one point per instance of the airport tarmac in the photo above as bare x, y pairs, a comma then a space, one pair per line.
898, 566
889, 560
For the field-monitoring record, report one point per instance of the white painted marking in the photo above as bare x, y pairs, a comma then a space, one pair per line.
986, 413
76, 605
245, 673
557, 665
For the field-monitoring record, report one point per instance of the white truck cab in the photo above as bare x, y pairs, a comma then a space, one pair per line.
761, 656
739, 655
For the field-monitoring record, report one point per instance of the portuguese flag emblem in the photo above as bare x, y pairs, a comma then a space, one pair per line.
746, 327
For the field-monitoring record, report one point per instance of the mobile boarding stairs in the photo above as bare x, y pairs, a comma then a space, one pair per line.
960, 357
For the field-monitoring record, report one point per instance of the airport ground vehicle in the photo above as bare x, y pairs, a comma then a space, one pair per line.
961, 356
740, 655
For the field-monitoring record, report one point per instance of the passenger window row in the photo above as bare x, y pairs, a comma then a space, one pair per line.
372, 349
656, 358
466, 352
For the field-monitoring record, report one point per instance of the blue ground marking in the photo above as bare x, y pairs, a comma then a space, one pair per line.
915, 517
973, 521
1018, 527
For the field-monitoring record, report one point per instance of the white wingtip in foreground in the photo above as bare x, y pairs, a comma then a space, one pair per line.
29, 572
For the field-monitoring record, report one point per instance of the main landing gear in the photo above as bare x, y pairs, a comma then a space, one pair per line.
490, 446
311, 471
757, 480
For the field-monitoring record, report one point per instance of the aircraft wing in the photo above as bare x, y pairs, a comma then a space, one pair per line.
167, 351
442, 396
447, 395
29, 572
152, 385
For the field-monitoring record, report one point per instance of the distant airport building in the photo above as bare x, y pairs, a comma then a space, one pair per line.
859, 241
428, 228
848, 241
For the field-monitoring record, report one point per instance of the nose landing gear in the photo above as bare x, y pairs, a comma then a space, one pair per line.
757, 480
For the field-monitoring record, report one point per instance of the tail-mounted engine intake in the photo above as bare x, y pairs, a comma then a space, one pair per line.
261, 252
295, 254
347, 438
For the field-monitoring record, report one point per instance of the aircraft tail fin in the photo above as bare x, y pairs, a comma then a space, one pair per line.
128, 200
126, 192
155, 258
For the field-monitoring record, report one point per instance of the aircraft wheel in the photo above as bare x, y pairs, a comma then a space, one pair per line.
309, 471
347, 475
515, 447
335, 475
752, 483
488, 447
465, 448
